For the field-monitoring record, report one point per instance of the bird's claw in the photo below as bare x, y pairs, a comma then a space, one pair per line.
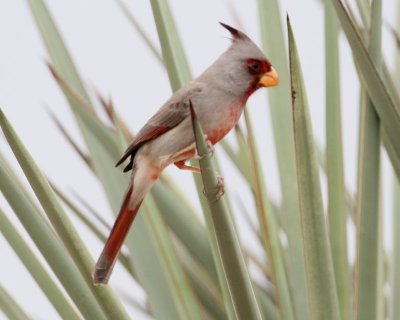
220, 188
210, 150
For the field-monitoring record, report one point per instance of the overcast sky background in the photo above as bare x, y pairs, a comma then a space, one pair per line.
111, 57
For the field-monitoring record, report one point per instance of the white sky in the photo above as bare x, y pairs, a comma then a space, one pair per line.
111, 57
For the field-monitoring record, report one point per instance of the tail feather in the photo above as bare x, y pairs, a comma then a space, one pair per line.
108, 257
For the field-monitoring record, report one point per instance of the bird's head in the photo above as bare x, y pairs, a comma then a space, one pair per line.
243, 66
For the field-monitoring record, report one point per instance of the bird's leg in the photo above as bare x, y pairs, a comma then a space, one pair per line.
181, 165
210, 149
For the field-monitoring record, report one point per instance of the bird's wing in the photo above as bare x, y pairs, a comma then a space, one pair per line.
169, 116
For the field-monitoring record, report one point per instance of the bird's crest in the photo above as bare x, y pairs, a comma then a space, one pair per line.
236, 34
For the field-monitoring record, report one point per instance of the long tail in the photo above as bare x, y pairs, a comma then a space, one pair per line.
108, 257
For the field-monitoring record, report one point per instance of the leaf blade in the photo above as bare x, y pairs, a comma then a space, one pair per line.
35, 268
280, 110
334, 163
367, 267
386, 105
323, 300
269, 230
66, 231
237, 277
10, 307
50, 246
179, 74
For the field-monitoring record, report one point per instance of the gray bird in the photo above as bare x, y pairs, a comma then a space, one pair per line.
218, 97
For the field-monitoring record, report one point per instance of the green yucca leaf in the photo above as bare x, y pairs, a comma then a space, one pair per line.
96, 215
367, 291
157, 267
92, 226
389, 80
152, 285
395, 279
179, 215
321, 288
180, 195
69, 139
172, 48
36, 269
55, 46
10, 307
172, 51
337, 215
84, 218
67, 72
179, 74
142, 33
186, 267
267, 306
66, 231
390, 86
174, 56
234, 156
363, 9
160, 286
221, 225
160, 272
184, 304
394, 307
81, 107
269, 230
368, 217
162, 269
205, 286
281, 119
186, 226
244, 156
15, 178
50, 246
385, 104
350, 202
391, 152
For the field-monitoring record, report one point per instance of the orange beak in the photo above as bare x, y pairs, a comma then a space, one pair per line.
269, 79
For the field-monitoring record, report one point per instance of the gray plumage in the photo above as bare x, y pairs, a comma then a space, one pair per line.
218, 96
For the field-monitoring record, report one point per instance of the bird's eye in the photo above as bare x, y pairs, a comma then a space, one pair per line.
255, 66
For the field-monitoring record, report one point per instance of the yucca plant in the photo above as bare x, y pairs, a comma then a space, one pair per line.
194, 270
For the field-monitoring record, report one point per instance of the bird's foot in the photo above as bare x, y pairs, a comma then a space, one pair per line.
210, 150
220, 189
181, 165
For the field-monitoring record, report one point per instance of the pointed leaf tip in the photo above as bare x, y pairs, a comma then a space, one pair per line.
192, 112
52, 70
193, 117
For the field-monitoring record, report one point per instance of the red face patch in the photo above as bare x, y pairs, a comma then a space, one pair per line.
258, 67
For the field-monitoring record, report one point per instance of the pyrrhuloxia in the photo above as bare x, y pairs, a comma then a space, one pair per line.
218, 97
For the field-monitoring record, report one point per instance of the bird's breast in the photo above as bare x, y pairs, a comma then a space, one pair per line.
178, 143
224, 122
